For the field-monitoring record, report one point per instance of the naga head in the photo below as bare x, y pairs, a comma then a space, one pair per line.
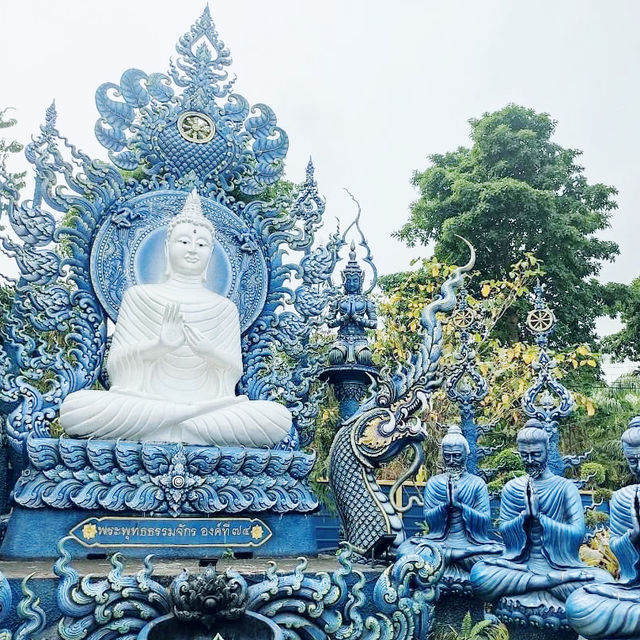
392, 418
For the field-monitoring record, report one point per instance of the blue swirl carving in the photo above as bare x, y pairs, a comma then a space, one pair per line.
322, 606
163, 479
117, 606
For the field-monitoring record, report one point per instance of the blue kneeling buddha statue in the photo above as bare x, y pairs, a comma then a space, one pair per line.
613, 610
456, 510
542, 527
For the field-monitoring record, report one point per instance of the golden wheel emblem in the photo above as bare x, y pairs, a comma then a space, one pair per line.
540, 320
464, 318
196, 127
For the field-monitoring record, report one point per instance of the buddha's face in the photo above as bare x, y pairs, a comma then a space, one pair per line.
353, 283
189, 249
454, 457
534, 457
632, 454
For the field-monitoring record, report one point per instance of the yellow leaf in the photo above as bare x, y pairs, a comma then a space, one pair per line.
591, 363
486, 290
528, 357
590, 408
435, 270
583, 350
574, 362
505, 399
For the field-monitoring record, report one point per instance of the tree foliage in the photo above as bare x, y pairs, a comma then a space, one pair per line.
626, 342
601, 413
516, 191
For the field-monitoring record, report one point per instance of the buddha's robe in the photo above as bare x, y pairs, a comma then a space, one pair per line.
612, 610
462, 533
550, 542
179, 396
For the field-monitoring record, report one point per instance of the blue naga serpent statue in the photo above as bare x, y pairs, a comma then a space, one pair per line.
385, 424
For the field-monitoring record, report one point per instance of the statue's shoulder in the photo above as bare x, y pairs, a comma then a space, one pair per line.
139, 292
623, 495
475, 481
438, 480
516, 485
220, 301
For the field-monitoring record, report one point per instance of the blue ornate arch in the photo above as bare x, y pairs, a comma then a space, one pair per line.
165, 134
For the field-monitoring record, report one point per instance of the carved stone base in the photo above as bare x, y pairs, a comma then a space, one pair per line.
35, 533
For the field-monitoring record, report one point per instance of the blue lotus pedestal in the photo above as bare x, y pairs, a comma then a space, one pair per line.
169, 499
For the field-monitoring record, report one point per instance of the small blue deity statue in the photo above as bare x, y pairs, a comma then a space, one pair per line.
353, 313
457, 512
542, 527
613, 610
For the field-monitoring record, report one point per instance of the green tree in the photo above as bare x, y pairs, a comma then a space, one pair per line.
517, 191
626, 342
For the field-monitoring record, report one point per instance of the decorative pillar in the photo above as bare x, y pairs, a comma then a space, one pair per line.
465, 385
547, 400
351, 370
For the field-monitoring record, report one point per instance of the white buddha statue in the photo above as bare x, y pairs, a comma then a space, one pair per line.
175, 360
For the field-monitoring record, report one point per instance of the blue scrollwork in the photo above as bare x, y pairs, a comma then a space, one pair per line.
117, 606
323, 605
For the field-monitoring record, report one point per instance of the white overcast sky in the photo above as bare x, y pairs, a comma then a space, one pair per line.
368, 88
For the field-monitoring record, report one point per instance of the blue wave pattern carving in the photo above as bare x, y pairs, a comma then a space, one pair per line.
322, 605
53, 341
28, 610
163, 478
117, 606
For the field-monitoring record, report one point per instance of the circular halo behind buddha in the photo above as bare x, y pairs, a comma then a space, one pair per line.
129, 250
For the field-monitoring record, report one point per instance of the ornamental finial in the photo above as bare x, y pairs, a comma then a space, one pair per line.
192, 213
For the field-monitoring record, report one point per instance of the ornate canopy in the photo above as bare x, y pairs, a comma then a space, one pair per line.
93, 228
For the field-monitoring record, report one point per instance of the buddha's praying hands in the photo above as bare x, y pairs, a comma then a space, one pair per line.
175, 360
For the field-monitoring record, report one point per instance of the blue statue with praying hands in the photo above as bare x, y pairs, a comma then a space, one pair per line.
542, 527
457, 513
613, 610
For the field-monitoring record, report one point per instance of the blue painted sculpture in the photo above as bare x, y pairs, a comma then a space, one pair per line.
458, 514
351, 370
323, 606
382, 428
612, 611
353, 313
161, 479
542, 527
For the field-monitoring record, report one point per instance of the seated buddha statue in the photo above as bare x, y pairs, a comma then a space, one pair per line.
613, 610
542, 527
457, 512
175, 359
